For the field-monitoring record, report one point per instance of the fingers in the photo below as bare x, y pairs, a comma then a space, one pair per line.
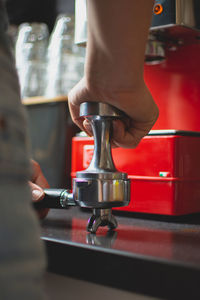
37, 184
129, 137
37, 195
87, 127
76, 96
138, 105
122, 137
74, 111
37, 175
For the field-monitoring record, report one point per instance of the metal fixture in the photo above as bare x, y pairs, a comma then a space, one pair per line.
105, 241
176, 18
155, 50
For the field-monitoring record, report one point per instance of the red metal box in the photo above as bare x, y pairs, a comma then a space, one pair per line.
164, 171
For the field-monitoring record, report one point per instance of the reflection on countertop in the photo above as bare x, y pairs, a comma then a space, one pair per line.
175, 240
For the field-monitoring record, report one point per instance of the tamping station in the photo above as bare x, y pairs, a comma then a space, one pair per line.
99, 187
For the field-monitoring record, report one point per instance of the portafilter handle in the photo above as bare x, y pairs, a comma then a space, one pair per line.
55, 198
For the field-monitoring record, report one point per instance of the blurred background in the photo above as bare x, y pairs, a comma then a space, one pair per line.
49, 64
46, 11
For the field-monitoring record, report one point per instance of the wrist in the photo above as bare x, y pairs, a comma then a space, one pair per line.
108, 72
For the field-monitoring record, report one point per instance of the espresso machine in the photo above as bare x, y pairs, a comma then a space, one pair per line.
163, 171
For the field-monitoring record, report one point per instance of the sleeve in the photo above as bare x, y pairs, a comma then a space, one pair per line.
22, 259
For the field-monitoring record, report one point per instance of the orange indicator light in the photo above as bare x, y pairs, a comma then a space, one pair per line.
158, 9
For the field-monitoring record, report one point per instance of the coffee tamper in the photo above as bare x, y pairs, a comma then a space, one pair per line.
101, 186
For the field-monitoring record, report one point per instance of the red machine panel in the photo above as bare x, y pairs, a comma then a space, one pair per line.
164, 171
175, 86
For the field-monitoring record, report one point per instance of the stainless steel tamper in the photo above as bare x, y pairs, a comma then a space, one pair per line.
101, 186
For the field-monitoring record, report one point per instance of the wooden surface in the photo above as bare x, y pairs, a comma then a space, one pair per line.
43, 100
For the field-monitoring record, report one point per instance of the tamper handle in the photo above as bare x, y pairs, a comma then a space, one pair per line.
100, 116
88, 109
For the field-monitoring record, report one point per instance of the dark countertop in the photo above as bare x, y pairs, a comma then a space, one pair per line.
155, 255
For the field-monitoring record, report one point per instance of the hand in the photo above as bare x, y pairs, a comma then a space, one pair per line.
137, 103
37, 184
113, 73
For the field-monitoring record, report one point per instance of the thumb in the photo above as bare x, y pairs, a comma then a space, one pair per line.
37, 192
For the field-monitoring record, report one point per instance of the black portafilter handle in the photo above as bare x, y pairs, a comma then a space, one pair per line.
55, 198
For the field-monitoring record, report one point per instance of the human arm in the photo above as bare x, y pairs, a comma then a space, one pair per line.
117, 36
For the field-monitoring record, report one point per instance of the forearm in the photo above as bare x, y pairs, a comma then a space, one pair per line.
117, 35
